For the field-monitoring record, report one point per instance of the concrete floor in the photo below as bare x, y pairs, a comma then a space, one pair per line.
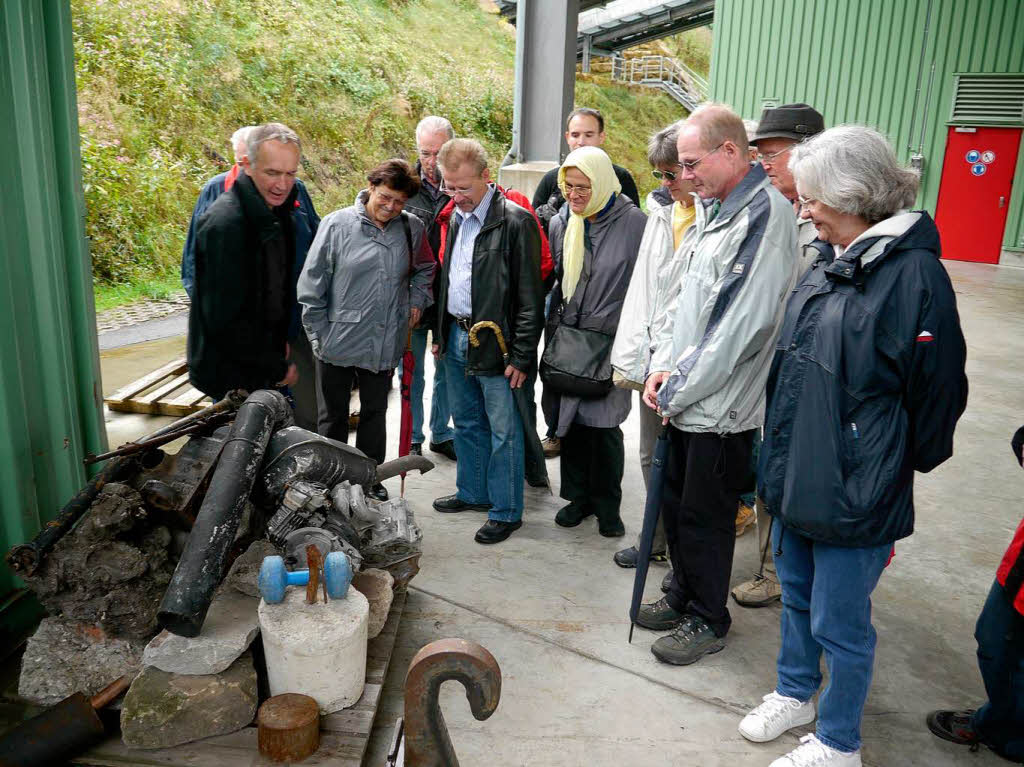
552, 607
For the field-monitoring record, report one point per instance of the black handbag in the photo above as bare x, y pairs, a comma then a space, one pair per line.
577, 361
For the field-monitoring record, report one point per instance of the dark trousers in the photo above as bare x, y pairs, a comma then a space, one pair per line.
592, 461
336, 392
704, 476
304, 392
1000, 635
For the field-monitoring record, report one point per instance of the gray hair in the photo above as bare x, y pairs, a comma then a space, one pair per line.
751, 126
269, 132
661, 147
854, 169
434, 124
239, 138
457, 151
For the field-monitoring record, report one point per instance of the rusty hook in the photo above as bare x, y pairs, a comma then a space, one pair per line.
426, 737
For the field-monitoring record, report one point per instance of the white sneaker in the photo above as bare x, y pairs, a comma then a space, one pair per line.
813, 753
773, 717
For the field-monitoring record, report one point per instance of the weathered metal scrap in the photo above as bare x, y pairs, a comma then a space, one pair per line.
204, 561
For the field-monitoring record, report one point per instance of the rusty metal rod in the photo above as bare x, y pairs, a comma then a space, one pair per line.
147, 443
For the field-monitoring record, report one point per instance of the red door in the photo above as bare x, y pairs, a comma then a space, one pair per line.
974, 195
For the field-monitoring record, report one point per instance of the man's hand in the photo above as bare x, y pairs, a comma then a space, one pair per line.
435, 350
515, 376
291, 377
414, 316
653, 383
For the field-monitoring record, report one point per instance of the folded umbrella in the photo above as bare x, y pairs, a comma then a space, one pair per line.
405, 429
655, 485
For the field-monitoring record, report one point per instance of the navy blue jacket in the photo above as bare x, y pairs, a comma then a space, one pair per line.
305, 221
866, 386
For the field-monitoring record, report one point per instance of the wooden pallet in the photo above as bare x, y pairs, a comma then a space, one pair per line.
165, 391
344, 735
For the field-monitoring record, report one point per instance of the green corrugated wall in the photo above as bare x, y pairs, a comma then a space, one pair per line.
50, 394
859, 61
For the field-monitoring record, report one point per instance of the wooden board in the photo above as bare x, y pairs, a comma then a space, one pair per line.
344, 735
165, 391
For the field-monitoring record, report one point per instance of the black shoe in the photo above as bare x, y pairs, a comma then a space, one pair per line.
452, 503
416, 448
378, 492
571, 515
659, 616
494, 531
666, 582
446, 448
954, 726
538, 482
691, 641
612, 528
629, 557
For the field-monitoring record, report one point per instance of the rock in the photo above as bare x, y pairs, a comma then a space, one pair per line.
377, 586
163, 710
64, 657
229, 628
245, 571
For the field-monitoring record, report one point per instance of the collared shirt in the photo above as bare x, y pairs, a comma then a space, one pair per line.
460, 276
433, 191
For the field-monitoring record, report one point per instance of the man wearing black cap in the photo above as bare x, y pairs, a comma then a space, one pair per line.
779, 130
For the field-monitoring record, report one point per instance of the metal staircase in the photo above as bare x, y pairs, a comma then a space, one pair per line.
676, 79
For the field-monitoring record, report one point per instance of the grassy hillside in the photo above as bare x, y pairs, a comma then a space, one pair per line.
163, 83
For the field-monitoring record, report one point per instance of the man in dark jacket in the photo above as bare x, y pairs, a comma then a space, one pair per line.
999, 723
245, 288
490, 272
305, 223
431, 134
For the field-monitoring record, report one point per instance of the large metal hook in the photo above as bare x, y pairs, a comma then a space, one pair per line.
426, 736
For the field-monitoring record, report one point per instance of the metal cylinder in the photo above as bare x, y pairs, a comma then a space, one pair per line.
203, 562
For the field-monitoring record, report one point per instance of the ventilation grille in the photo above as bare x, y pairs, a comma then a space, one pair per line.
989, 99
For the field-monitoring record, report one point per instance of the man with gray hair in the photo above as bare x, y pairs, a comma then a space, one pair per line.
431, 134
306, 221
244, 292
712, 349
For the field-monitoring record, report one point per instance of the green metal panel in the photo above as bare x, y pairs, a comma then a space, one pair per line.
50, 394
890, 64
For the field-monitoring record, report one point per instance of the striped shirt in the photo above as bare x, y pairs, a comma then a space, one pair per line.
460, 276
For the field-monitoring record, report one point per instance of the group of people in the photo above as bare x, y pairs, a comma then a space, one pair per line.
783, 313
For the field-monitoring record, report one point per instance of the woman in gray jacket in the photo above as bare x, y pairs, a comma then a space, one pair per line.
594, 243
366, 282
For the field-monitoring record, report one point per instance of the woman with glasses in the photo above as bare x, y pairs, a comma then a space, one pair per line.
594, 239
366, 282
670, 213
865, 388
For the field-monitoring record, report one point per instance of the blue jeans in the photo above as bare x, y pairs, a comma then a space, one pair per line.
440, 413
826, 605
488, 435
1000, 634
749, 499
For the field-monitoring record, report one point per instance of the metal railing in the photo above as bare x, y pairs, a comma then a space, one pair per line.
678, 80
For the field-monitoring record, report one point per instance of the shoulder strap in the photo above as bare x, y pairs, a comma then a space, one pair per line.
408, 236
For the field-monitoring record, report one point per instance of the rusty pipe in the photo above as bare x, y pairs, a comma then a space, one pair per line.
426, 736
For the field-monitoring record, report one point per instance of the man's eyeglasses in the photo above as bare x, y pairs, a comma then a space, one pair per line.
770, 158
451, 191
691, 165
664, 175
425, 155
570, 189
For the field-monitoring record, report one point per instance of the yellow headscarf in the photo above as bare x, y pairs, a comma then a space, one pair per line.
595, 165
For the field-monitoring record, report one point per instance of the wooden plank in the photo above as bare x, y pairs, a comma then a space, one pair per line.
183, 404
141, 384
162, 391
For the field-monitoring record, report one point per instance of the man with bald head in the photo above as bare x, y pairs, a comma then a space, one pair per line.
711, 352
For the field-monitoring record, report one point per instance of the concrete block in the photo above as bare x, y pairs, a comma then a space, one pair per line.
378, 588
524, 177
231, 625
163, 710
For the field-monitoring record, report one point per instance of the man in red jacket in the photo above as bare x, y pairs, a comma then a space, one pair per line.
999, 724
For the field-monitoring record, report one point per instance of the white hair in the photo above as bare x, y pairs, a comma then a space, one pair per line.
260, 134
238, 138
434, 124
751, 126
854, 169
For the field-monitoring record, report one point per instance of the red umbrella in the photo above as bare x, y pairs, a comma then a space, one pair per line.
405, 431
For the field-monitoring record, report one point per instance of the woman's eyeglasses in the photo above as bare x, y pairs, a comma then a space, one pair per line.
664, 175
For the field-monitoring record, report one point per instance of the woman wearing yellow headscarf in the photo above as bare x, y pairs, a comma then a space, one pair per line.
595, 239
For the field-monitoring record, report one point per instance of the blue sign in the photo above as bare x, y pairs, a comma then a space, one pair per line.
973, 156
978, 169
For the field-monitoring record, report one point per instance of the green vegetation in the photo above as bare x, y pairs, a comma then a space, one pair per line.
162, 84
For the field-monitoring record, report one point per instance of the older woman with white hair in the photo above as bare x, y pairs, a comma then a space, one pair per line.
866, 388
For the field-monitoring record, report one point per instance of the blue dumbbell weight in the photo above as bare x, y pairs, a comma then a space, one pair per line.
274, 578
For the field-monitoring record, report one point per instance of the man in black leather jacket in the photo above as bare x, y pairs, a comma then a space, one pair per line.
490, 272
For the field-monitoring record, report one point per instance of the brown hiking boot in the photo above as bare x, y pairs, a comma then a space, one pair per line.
552, 447
744, 518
